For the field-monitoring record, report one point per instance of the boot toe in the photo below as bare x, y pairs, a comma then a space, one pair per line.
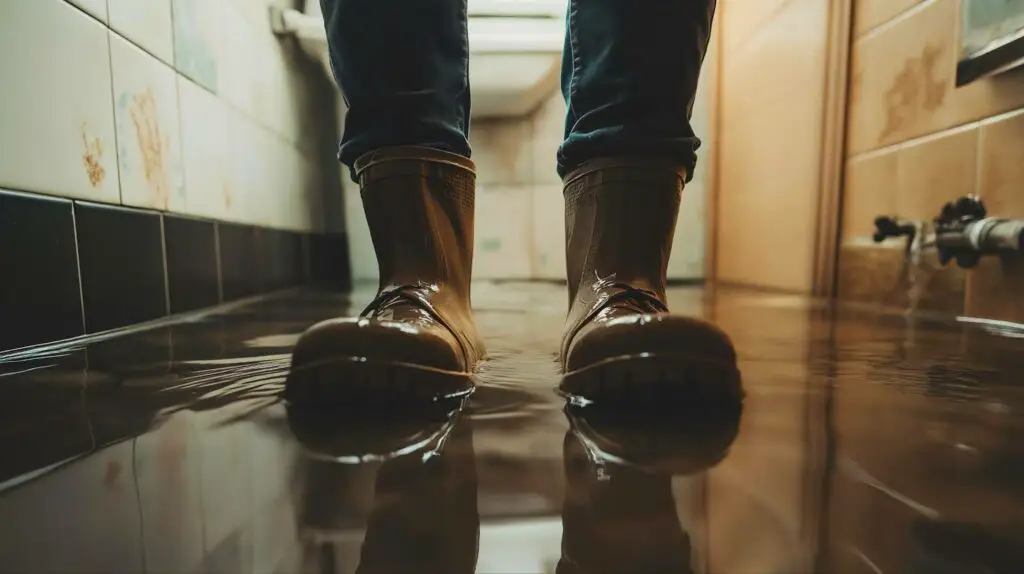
651, 356
357, 358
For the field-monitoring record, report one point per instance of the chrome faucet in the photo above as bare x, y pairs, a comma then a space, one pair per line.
963, 232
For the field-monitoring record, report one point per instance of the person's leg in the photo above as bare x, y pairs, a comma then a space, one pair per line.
629, 79
403, 68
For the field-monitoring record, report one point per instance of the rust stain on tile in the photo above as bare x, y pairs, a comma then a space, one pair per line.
226, 194
920, 86
112, 474
152, 147
91, 157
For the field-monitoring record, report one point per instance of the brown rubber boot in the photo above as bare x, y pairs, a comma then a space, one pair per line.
620, 342
417, 338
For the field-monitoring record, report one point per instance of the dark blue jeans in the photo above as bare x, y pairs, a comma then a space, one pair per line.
629, 76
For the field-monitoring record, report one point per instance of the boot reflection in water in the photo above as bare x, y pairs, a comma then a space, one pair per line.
619, 513
629, 77
422, 514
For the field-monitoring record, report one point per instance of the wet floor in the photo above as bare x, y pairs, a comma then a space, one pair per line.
869, 442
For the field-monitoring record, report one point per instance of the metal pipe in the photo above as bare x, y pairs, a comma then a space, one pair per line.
986, 236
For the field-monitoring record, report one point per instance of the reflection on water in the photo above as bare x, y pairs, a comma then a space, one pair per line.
868, 443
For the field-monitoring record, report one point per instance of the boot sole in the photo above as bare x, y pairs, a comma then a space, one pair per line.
659, 380
361, 380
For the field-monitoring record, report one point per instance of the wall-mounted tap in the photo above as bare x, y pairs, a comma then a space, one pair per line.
962, 232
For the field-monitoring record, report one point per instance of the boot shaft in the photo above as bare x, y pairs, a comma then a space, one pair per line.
419, 206
620, 219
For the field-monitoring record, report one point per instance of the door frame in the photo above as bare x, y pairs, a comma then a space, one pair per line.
835, 93
833, 147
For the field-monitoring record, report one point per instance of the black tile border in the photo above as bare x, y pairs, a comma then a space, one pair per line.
193, 276
245, 260
40, 296
121, 266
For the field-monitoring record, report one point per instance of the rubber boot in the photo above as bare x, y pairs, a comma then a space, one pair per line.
620, 343
417, 339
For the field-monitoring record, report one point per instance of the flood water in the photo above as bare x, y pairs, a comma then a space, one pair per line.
869, 442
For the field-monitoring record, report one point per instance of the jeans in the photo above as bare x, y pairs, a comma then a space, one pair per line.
629, 76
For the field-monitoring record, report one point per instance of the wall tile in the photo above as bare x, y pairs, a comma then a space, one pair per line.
904, 78
53, 143
548, 132
207, 153
281, 258
278, 186
95, 8
328, 260
503, 151
1001, 174
39, 296
868, 14
148, 129
996, 289
869, 191
504, 238
239, 261
362, 257
877, 274
147, 23
122, 260
191, 263
198, 28
256, 165
923, 186
276, 94
548, 219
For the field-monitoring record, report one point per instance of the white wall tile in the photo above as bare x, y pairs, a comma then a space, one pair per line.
254, 165
96, 8
687, 260
277, 183
503, 151
148, 135
147, 23
548, 130
274, 92
548, 254
198, 28
361, 256
58, 117
504, 236
210, 175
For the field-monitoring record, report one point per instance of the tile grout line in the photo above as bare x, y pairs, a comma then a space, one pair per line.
894, 20
295, 146
177, 318
216, 254
113, 112
163, 256
78, 263
927, 138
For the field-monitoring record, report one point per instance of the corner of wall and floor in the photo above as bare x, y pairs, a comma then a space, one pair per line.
148, 168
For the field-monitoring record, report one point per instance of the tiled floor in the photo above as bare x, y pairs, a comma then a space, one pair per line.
868, 443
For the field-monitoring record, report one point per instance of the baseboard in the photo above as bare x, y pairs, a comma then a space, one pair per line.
72, 268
